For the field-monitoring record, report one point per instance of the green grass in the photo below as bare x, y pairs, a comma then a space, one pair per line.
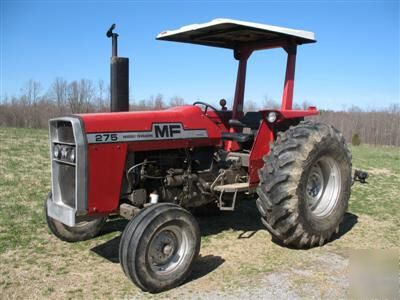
380, 197
34, 261
24, 184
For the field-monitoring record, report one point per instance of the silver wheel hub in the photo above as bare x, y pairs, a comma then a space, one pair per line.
315, 185
323, 186
167, 249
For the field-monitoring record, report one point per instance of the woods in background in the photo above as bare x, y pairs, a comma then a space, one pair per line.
35, 106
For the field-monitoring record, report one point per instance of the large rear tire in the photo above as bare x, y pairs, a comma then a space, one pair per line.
158, 247
305, 185
81, 232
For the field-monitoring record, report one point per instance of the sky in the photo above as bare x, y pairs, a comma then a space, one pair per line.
354, 62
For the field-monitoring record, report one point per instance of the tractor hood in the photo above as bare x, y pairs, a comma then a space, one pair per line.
140, 120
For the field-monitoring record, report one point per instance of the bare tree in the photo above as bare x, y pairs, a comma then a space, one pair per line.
305, 104
58, 91
176, 101
270, 103
87, 92
31, 91
80, 95
73, 97
141, 105
159, 102
102, 91
250, 105
29, 98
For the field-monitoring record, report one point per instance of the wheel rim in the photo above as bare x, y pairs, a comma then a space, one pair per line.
168, 249
323, 186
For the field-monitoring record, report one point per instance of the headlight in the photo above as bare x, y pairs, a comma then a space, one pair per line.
64, 152
72, 155
56, 151
271, 118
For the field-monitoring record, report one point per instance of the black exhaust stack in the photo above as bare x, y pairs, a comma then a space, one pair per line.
119, 76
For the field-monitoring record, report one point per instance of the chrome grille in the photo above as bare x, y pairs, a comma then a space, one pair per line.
69, 176
65, 132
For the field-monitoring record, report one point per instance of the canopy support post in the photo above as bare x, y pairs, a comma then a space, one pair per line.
237, 110
242, 57
287, 98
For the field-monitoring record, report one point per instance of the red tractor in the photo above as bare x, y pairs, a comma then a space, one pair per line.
156, 167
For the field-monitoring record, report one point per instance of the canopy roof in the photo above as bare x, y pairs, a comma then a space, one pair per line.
233, 34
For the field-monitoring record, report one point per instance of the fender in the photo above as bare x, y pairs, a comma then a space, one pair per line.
265, 136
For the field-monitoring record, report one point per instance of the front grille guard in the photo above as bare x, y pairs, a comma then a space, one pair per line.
80, 208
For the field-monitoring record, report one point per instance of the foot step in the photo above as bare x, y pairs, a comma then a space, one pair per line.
230, 188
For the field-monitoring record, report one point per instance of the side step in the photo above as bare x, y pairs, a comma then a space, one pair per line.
230, 188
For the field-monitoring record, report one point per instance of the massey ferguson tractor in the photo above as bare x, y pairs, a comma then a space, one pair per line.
157, 167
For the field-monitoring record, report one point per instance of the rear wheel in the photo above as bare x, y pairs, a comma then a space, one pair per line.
80, 232
158, 247
305, 185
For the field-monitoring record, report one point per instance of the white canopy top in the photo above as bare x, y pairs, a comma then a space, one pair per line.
228, 33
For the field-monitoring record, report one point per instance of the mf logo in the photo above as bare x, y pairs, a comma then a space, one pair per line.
167, 130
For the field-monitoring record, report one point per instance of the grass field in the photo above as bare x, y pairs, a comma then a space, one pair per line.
237, 254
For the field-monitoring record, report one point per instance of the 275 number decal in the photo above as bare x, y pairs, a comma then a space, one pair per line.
105, 137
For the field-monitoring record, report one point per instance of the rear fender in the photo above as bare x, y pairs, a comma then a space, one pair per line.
290, 114
267, 134
261, 147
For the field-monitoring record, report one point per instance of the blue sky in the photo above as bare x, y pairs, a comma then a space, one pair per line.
354, 62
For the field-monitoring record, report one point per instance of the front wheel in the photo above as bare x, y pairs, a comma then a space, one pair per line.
305, 185
82, 231
158, 247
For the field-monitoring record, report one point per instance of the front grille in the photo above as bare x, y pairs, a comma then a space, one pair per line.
66, 179
64, 171
69, 172
64, 132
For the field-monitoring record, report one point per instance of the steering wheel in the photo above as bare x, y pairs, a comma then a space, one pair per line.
206, 106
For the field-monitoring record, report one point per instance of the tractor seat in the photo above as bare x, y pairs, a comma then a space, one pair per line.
237, 136
250, 120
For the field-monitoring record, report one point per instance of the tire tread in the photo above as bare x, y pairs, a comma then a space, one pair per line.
279, 178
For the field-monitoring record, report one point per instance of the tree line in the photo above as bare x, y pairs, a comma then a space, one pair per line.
35, 106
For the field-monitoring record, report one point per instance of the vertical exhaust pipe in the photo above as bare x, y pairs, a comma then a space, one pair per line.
119, 76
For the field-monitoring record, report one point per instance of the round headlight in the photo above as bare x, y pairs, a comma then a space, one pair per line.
64, 152
56, 151
72, 155
271, 118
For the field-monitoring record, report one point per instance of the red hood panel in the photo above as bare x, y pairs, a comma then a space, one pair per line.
191, 117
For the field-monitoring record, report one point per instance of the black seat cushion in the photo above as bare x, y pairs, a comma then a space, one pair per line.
237, 136
252, 119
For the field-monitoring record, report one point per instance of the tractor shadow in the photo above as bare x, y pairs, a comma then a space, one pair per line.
245, 220
349, 221
202, 266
